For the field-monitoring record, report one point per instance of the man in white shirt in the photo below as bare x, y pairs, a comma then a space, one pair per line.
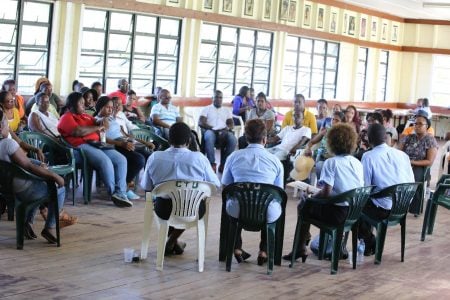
292, 138
164, 114
217, 124
383, 166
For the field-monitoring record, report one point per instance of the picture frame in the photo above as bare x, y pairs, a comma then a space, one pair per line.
351, 25
333, 22
173, 1
227, 5
384, 32
307, 15
208, 4
248, 7
345, 23
267, 9
363, 28
374, 28
320, 17
394, 33
292, 11
284, 9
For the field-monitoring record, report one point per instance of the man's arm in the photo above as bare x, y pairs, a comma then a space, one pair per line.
300, 144
230, 123
158, 122
203, 123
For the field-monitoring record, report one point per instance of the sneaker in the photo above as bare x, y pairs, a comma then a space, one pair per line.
121, 200
132, 196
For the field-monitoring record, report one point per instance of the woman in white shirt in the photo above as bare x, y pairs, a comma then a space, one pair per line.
42, 120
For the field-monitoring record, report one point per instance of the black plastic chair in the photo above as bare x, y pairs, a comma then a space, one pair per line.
147, 135
254, 198
53, 149
402, 195
440, 197
9, 171
357, 199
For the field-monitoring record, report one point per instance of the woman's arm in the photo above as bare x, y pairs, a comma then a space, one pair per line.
428, 161
36, 124
140, 114
85, 130
324, 192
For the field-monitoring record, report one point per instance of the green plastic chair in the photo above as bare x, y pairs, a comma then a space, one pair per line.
254, 199
441, 196
51, 148
9, 171
147, 135
142, 125
357, 199
402, 195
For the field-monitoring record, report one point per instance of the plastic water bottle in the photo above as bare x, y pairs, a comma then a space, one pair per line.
361, 249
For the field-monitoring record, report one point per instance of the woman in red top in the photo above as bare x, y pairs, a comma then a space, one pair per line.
82, 131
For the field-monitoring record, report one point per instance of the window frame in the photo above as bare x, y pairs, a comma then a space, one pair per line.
365, 61
385, 74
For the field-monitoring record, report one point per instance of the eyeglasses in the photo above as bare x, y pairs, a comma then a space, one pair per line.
419, 124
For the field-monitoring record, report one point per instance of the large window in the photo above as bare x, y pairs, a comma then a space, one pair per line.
233, 57
382, 74
310, 68
440, 87
361, 73
25, 30
143, 49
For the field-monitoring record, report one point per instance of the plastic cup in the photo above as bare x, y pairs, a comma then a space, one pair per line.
128, 254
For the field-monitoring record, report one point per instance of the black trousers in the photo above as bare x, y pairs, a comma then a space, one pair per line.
163, 208
262, 243
419, 173
374, 212
135, 162
328, 213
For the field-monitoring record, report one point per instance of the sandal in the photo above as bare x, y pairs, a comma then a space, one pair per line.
66, 220
44, 213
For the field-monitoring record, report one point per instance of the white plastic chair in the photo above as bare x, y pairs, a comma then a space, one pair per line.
239, 129
443, 162
186, 197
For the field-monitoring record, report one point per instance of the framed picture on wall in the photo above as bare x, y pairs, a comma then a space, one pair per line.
363, 28
173, 1
292, 11
384, 32
208, 4
284, 9
307, 15
248, 8
267, 8
394, 33
374, 28
227, 5
333, 22
351, 25
320, 16
345, 23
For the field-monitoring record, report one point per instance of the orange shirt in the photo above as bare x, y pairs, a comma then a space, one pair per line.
20, 105
410, 130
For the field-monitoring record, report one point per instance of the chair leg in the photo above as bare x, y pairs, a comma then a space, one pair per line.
74, 184
162, 238
270, 246
403, 237
20, 222
354, 244
201, 243
381, 237
298, 228
426, 220
337, 246
148, 219
231, 240
433, 212
323, 244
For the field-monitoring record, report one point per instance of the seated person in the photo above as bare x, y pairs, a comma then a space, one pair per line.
82, 131
28, 190
423, 104
176, 163
309, 120
363, 141
130, 110
261, 111
352, 117
42, 120
164, 114
123, 87
322, 114
9, 85
242, 103
383, 166
124, 145
216, 122
90, 98
11, 113
253, 164
291, 137
340, 173
46, 88
390, 130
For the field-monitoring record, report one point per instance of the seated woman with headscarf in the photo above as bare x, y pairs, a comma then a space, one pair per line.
42, 120
83, 131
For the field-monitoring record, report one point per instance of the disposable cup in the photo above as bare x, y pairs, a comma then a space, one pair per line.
128, 254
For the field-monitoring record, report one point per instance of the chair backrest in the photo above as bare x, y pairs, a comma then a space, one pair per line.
357, 199
49, 146
254, 198
443, 162
147, 135
441, 195
402, 195
9, 171
186, 197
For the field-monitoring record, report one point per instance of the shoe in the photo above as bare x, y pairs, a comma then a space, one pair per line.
46, 234
297, 256
132, 196
178, 248
131, 184
66, 220
214, 167
221, 168
28, 232
121, 200
370, 246
262, 258
240, 255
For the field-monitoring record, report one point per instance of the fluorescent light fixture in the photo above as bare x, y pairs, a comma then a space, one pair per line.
436, 4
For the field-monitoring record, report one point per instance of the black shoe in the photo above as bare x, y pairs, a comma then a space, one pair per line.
297, 256
178, 248
46, 234
261, 259
242, 256
370, 246
28, 232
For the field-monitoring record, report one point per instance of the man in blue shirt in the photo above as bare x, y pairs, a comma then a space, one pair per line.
253, 164
383, 166
176, 163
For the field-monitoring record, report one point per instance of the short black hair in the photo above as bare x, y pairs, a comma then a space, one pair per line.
255, 131
261, 95
376, 116
179, 134
322, 101
299, 96
102, 101
243, 91
95, 83
8, 82
376, 133
38, 97
340, 115
73, 99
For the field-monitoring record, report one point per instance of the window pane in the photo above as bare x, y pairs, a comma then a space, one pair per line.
144, 44
94, 19
8, 35
36, 12
34, 35
8, 10
146, 24
121, 22
169, 27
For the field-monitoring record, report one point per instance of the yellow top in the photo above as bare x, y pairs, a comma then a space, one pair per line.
15, 121
410, 130
309, 120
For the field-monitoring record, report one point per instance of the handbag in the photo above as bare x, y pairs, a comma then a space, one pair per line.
100, 145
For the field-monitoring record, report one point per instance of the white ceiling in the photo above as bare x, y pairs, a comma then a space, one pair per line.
412, 9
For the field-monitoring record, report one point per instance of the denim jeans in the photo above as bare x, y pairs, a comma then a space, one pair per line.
135, 162
110, 164
226, 149
38, 190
